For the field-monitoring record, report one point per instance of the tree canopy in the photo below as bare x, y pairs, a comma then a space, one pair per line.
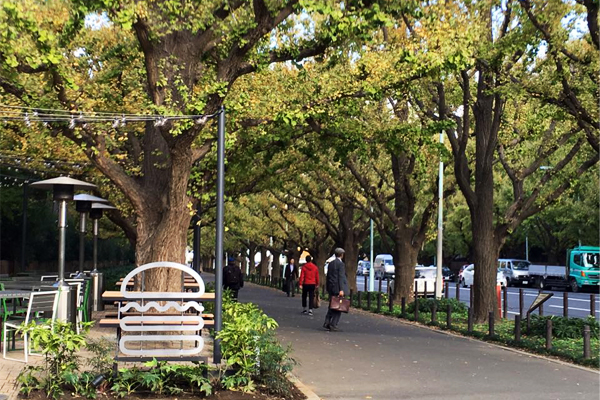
334, 115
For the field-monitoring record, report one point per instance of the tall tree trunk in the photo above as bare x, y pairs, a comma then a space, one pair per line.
206, 265
405, 260
351, 260
487, 111
486, 252
276, 272
264, 262
252, 257
164, 240
321, 254
243, 261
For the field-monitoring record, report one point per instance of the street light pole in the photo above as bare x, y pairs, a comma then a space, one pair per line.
371, 270
24, 225
438, 278
219, 234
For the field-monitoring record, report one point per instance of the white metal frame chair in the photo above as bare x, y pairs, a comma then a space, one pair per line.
38, 302
49, 278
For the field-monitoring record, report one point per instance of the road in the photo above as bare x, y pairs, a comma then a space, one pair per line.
376, 357
579, 303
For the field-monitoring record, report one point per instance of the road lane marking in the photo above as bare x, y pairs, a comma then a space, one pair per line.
574, 308
535, 294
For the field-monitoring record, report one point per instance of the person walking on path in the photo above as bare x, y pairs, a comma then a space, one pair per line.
309, 280
232, 277
291, 275
337, 285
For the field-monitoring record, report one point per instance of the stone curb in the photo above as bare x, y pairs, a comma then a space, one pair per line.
310, 395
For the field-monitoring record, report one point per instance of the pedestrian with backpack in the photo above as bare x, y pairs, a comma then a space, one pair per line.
232, 277
309, 280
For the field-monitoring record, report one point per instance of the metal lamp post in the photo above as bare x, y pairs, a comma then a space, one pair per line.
63, 189
83, 204
439, 281
95, 214
96, 210
372, 269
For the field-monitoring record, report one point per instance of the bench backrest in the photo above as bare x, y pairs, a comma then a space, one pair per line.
188, 323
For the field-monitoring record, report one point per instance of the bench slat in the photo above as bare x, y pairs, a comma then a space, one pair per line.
155, 314
114, 322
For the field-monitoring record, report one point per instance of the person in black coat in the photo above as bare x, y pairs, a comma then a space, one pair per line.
291, 276
337, 285
233, 279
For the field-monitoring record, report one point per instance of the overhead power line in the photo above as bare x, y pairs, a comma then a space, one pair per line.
29, 115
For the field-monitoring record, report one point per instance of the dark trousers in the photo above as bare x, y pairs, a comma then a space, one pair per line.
290, 286
308, 290
333, 316
234, 292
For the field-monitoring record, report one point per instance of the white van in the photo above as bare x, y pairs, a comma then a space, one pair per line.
384, 266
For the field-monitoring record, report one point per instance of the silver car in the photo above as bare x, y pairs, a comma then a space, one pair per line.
363, 268
515, 271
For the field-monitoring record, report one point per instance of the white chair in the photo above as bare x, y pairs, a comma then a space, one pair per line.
49, 278
45, 302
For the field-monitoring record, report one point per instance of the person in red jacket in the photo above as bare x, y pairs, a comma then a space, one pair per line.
309, 280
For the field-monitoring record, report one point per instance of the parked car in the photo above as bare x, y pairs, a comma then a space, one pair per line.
469, 274
384, 266
448, 274
516, 271
425, 278
460, 272
363, 268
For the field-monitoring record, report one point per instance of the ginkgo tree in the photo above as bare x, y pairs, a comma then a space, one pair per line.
159, 58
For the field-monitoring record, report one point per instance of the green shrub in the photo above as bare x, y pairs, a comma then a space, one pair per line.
103, 359
162, 378
562, 327
59, 344
251, 350
274, 365
426, 304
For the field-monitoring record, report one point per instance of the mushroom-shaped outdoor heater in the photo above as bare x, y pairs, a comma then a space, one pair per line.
83, 204
95, 215
63, 188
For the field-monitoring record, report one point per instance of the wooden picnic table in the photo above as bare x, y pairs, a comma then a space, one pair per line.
29, 285
187, 285
112, 295
14, 294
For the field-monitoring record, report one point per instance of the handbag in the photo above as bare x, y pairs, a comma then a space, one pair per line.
317, 299
339, 303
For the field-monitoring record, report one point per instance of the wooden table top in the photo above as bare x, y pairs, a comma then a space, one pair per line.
14, 294
187, 285
113, 295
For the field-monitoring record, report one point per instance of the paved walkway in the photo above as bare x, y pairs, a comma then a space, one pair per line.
375, 357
